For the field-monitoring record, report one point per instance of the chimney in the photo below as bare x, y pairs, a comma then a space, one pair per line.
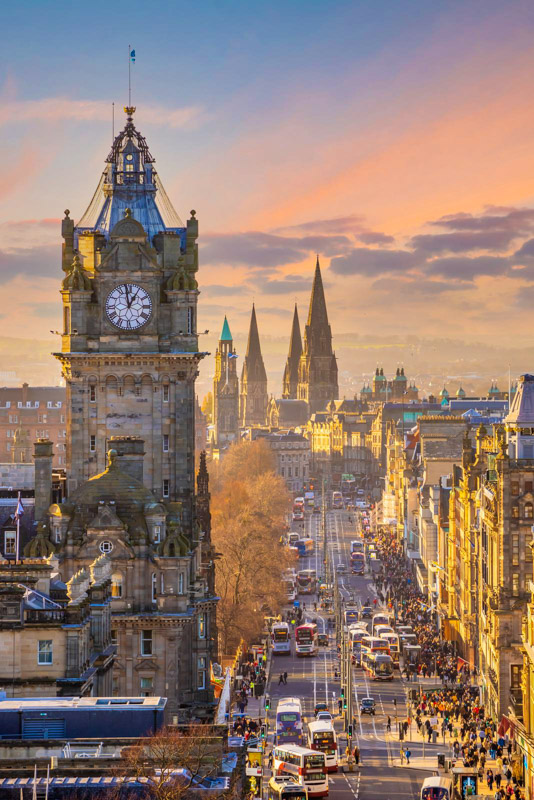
43, 455
130, 453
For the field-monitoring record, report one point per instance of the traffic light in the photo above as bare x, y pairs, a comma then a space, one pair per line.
262, 731
350, 730
344, 703
394, 701
342, 691
267, 702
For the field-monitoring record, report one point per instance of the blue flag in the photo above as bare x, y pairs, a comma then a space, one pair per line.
20, 509
232, 355
132, 56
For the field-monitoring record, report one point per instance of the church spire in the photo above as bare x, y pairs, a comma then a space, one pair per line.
253, 399
317, 314
291, 372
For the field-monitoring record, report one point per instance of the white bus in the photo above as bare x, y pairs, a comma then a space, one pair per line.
394, 646
307, 766
288, 728
280, 638
285, 787
437, 789
381, 618
378, 665
322, 736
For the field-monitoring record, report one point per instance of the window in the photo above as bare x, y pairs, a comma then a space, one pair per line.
10, 543
114, 639
57, 534
165, 442
515, 676
190, 320
13, 418
62, 418
9, 434
154, 587
59, 404
515, 511
180, 583
116, 585
92, 443
44, 651
157, 533
202, 625
529, 511
515, 583
105, 546
49, 404
201, 677
66, 319
528, 487
165, 487
146, 643
92, 393
515, 550
147, 687
165, 392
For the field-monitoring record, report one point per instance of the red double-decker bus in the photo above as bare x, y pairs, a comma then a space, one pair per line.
306, 639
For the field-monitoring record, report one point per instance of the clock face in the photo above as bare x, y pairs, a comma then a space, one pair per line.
128, 306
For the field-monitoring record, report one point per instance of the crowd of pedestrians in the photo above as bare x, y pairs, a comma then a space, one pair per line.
453, 709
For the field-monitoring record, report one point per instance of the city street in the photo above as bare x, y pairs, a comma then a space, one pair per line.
312, 680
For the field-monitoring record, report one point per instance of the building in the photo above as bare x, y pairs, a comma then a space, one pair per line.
55, 638
29, 413
339, 445
130, 358
395, 390
292, 451
253, 398
317, 374
291, 371
225, 391
286, 413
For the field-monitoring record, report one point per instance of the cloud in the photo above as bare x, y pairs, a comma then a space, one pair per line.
261, 250
64, 109
291, 283
27, 233
42, 262
373, 261
420, 286
463, 241
353, 223
218, 290
518, 220
375, 237
466, 269
525, 298
525, 252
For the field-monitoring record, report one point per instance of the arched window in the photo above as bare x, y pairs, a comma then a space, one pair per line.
529, 511
154, 587
116, 585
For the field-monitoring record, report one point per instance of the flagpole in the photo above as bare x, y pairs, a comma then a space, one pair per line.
129, 76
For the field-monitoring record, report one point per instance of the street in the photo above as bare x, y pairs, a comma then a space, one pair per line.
312, 680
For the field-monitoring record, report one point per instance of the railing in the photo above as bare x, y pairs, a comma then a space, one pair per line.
44, 615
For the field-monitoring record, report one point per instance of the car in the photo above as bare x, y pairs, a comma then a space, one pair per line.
317, 509
367, 612
322, 639
325, 716
320, 707
341, 568
368, 706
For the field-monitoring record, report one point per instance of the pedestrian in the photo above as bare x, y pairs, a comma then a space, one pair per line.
280, 679
270, 760
407, 754
285, 677
388, 726
489, 779
356, 755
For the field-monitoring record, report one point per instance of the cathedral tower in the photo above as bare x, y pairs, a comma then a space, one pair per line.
129, 346
317, 380
253, 399
291, 372
225, 391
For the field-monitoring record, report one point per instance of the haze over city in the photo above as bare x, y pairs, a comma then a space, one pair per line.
394, 139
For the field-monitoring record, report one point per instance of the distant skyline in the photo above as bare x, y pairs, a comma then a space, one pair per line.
395, 139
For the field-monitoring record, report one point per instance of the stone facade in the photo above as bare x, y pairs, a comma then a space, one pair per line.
29, 413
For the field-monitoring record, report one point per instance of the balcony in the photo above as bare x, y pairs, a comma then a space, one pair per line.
516, 703
44, 615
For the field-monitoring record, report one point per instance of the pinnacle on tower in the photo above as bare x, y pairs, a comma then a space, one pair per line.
226, 335
291, 372
253, 397
317, 313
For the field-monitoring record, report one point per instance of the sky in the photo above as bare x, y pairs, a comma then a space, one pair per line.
395, 138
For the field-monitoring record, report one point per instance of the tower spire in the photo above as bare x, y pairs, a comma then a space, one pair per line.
291, 372
317, 314
254, 399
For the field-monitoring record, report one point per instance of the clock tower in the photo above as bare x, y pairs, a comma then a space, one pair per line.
129, 350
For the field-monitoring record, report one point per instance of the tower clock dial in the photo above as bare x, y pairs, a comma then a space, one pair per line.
128, 306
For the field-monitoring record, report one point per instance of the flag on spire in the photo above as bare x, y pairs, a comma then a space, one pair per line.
132, 56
